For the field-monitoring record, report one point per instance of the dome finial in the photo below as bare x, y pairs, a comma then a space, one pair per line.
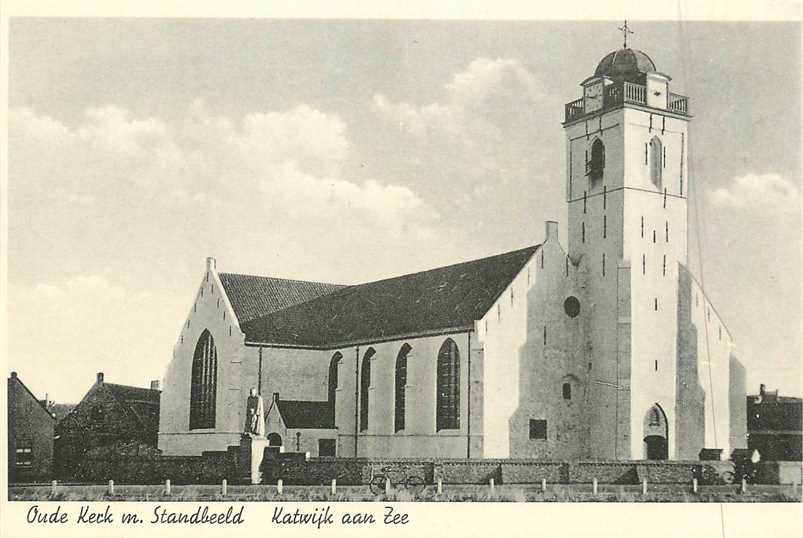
625, 30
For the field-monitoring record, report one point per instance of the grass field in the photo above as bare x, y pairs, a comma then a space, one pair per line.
451, 493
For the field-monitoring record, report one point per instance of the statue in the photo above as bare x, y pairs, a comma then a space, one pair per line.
255, 414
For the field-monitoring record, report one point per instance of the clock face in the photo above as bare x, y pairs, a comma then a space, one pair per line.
593, 100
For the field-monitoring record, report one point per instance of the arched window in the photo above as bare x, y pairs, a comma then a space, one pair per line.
596, 165
567, 391
333, 365
448, 387
401, 382
204, 383
656, 161
365, 384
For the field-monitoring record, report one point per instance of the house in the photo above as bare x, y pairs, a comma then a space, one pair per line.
774, 426
115, 417
30, 434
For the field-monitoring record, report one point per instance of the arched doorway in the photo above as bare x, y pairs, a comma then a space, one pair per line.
656, 434
274, 439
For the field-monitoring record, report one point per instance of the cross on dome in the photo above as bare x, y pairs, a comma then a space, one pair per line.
625, 30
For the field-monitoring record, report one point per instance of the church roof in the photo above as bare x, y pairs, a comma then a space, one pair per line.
451, 297
255, 296
306, 414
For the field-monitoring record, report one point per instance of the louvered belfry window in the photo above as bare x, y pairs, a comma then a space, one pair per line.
448, 390
204, 383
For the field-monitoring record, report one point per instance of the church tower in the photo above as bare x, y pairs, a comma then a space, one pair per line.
626, 187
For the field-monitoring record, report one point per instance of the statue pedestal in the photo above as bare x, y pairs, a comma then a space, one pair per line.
252, 451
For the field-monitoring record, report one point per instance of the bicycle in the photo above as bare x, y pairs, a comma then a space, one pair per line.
413, 483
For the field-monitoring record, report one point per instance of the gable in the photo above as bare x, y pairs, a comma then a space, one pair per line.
444, 298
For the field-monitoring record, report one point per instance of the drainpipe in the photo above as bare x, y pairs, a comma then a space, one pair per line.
468, 401
356, 395
259, 373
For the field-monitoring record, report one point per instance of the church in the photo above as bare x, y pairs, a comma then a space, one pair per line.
599, 345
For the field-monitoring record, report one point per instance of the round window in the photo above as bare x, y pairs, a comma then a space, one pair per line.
572, 306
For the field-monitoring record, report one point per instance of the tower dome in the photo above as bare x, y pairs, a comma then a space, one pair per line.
625, 64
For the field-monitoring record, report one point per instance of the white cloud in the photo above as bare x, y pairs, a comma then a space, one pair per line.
287, 163
65, 331
751, 190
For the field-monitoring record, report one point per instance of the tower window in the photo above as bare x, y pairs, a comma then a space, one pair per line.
583, 232
643, 264
604, 226
642, 227
656, 304
653, 236
596, 165
567, 391
667, 231
603, 264
537, 429
656, 165
656, 365
664, 264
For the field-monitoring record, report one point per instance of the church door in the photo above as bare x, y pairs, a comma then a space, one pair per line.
657, 448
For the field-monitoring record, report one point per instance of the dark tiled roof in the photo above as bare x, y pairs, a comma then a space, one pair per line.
61, 410
305, 414
42, 404
443, 298
144, 403
255, 296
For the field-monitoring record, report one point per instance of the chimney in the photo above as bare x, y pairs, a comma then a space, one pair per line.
762, 390
276, 397
551, 231
100, 378
155, 384
210, 263
13, 375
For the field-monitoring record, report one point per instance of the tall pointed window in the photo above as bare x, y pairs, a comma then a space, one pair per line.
333, 366
596, 165
365, 384
203, 384
656, 161
401, 382
448, 389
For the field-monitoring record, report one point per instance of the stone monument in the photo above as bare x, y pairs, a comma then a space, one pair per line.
253, 441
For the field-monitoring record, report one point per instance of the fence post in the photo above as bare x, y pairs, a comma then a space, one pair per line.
306, 456
594, 486
279, 486
440, 486
111, 487
694, 485
387, 486
644, 487
167, 487
543, 485
224, 487
334, 486
743, 487
492, 485
53, 486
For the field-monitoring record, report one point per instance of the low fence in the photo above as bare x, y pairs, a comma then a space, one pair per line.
295, 469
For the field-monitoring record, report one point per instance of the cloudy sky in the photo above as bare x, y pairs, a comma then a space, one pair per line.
346, 151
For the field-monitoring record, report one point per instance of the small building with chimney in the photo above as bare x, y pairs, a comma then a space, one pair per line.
774, 425
118, 417
30, 434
